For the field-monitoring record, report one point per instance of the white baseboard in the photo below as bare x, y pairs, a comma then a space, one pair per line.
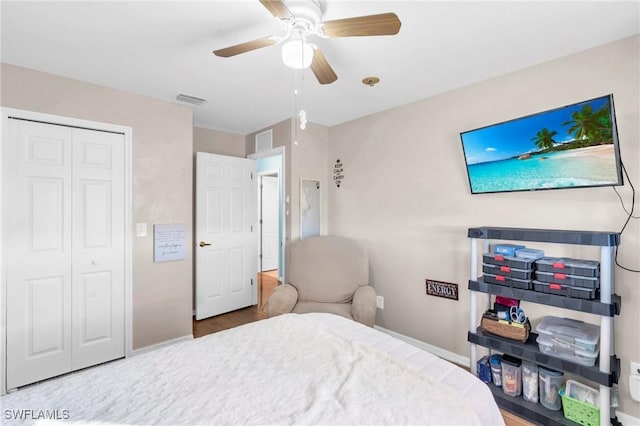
439, 352
161, 345
627, 420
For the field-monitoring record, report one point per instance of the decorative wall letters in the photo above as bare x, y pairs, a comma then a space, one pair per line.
338, 173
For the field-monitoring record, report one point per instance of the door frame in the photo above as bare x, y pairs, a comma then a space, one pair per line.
127, 132
280, 150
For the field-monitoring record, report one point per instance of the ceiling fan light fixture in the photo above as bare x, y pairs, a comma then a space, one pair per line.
297, 53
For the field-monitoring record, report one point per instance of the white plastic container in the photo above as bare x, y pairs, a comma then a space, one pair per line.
580, 334
582, 392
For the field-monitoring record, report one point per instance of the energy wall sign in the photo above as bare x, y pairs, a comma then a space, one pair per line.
442, 289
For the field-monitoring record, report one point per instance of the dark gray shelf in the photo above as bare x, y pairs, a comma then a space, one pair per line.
589, 238
582, 305
534, 412
529, 351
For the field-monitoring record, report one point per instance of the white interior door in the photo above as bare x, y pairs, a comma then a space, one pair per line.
226, 243
269, 222
65, 249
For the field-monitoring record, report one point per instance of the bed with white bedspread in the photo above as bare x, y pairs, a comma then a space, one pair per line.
292, 369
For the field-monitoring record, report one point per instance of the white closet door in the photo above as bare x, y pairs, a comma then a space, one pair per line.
38, 251
65, 250
98, 248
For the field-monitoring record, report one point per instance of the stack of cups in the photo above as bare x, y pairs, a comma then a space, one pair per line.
529, 381
496, 369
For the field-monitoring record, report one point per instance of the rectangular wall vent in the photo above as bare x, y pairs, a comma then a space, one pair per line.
193, 100
264, 141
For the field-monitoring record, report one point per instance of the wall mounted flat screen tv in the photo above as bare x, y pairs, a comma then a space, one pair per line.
574, 146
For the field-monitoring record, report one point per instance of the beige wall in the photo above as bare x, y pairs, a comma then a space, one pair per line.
308, 159
405, 194
162, 183
218, 142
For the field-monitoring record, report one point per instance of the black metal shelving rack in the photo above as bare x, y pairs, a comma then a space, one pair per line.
606, 371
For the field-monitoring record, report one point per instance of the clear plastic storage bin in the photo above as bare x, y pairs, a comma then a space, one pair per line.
550, 383
581, 334
557, 348
511, 375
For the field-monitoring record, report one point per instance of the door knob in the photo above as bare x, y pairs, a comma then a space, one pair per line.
202, 244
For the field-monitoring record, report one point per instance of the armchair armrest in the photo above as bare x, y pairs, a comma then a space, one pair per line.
282, 300
363, 307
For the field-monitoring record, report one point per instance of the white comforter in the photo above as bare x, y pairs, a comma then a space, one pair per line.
291, 369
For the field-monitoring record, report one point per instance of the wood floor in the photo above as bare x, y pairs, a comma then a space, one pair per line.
267, 282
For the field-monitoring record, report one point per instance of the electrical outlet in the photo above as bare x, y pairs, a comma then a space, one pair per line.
380, 302
634, 368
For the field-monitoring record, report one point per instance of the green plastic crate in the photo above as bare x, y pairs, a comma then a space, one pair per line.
580, 412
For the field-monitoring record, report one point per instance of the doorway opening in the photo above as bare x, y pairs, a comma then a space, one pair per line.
271, 222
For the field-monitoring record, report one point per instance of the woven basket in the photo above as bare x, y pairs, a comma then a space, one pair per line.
508, 329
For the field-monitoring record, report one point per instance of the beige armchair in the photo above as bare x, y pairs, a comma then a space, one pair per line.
326, 274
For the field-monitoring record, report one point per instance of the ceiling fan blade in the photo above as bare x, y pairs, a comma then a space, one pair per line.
244, 47
321, 68
371, 25
277, 8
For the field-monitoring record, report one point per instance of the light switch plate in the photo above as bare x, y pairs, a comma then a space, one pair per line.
141, 229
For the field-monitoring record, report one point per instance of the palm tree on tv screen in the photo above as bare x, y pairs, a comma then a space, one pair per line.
544, 139
590, 127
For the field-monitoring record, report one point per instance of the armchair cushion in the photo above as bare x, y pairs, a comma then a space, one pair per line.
342, 309
327, 274
327, 269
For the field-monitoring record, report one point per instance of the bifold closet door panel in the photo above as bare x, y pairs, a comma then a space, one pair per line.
98, 247
65, 249
39, 255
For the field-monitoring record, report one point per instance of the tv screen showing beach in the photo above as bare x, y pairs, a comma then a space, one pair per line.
569, 147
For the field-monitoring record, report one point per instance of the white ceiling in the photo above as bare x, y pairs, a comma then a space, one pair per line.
162, 48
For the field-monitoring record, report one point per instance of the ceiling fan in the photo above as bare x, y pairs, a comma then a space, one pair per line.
303, 18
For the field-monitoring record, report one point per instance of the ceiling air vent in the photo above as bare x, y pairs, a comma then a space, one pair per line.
190, 99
